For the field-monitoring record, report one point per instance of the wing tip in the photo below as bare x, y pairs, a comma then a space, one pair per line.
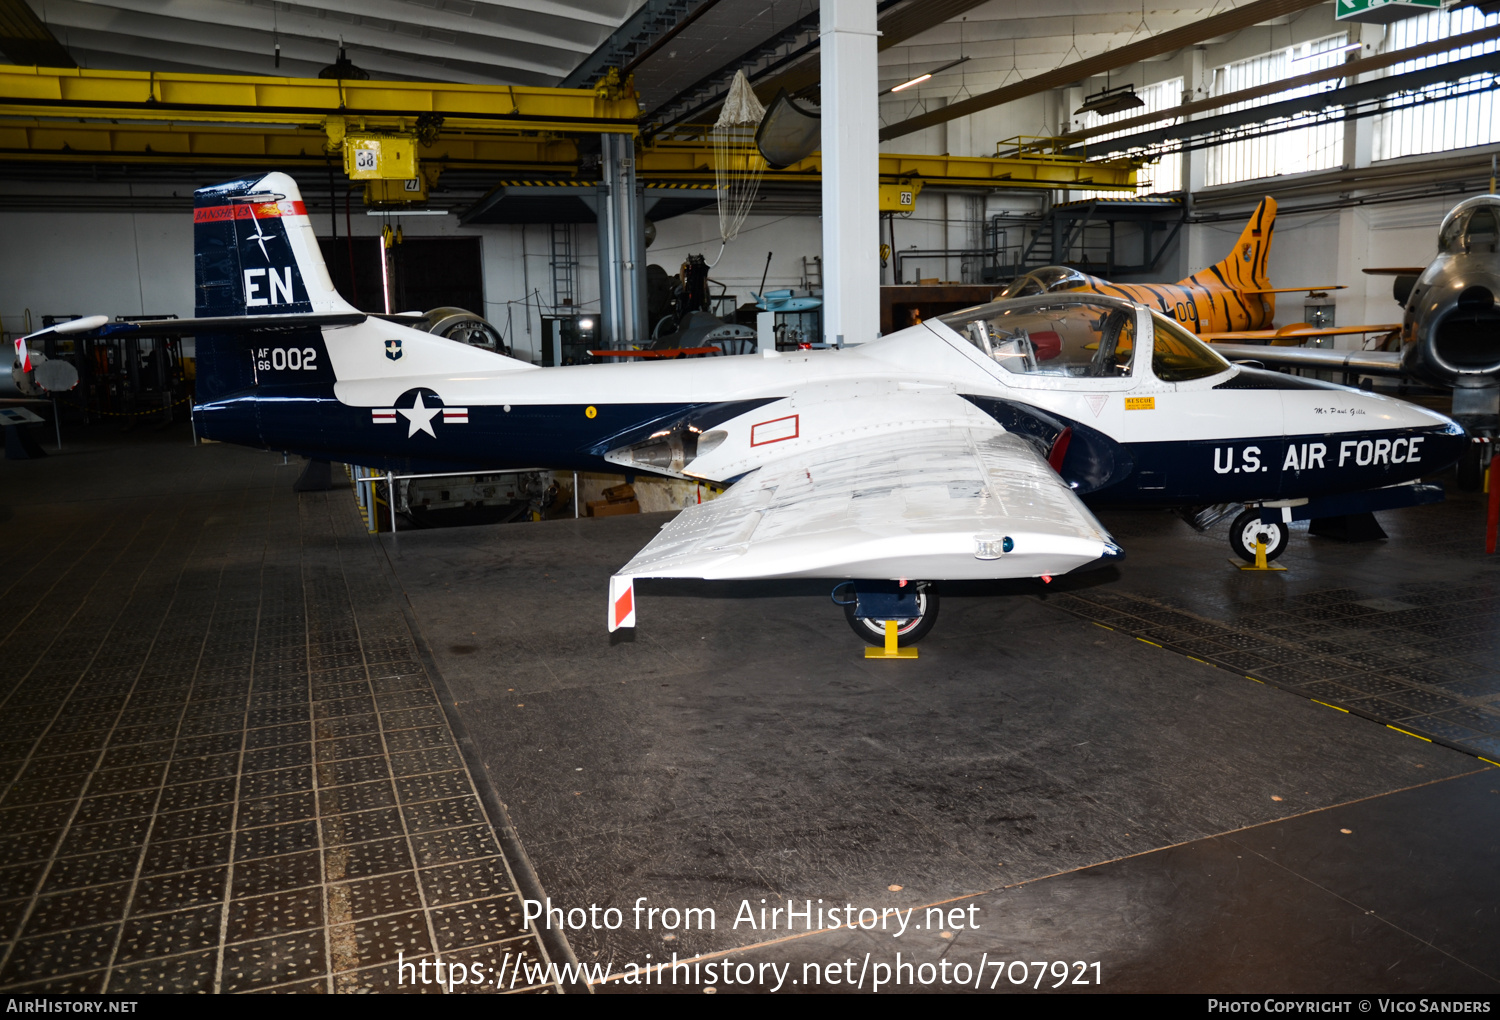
621, 612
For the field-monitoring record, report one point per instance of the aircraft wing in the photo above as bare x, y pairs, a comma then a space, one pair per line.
1365, 362
1296, 332
1294, 290
1395, 271
934, 503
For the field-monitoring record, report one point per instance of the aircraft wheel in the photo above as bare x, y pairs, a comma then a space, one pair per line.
1247, 528
908, 632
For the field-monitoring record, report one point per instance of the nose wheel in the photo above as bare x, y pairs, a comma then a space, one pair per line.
1248, 529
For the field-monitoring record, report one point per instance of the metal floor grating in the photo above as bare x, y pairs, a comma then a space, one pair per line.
1417, 652
223, 766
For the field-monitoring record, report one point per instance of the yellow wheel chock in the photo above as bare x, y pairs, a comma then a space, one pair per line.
1260, 560
891, 651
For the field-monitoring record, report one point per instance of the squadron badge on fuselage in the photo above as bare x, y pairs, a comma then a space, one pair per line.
393, 349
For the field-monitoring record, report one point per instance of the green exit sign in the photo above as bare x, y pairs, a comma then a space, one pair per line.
1383, 12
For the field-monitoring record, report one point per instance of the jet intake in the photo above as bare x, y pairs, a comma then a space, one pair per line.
1467, 339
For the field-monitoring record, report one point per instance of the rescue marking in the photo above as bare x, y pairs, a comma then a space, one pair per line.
777, 430
1140, 403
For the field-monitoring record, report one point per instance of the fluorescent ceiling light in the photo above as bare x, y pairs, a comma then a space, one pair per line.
919, 79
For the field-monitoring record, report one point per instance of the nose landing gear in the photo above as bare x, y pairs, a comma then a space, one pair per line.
869, 604
1248, 529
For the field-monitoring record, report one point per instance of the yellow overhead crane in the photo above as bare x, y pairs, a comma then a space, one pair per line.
1027, 163
398, 136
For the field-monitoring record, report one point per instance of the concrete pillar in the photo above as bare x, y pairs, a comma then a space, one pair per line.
1198, 84
851, 178
1359, 135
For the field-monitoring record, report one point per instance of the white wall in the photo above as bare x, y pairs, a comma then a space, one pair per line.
87, 263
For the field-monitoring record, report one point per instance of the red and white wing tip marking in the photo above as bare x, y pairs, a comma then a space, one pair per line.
23, 354
383, 415
456, 415
621, 602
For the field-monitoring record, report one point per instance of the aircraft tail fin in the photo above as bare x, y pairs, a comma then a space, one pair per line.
254, 253
1244, 268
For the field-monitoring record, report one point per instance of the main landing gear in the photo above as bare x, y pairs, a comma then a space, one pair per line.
1248, 529
868, 604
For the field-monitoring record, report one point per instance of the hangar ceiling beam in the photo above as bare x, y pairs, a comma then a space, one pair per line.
895, 28
300, 58
799, 69
640, 35
137, 96
1156, 45
25, 39
1351, 101
481, 47
1345, 70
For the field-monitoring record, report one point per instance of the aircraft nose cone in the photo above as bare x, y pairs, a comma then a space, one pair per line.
1444, 447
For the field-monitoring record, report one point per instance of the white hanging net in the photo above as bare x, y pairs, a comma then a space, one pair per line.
738, 165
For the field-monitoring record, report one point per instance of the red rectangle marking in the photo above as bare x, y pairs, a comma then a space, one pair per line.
777, 430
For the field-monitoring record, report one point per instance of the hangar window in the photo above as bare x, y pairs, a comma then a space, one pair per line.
1077, 340
1160, 177
1437, 123
1316, 147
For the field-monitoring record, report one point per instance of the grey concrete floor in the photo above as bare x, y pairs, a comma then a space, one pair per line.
1096, 797
226, 765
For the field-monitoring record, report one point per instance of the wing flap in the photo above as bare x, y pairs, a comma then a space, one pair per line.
915, 504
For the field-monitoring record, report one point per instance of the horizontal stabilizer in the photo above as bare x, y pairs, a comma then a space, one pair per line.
1396, 271
232, 324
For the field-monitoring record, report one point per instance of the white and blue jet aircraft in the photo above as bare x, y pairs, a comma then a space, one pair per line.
968, 447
